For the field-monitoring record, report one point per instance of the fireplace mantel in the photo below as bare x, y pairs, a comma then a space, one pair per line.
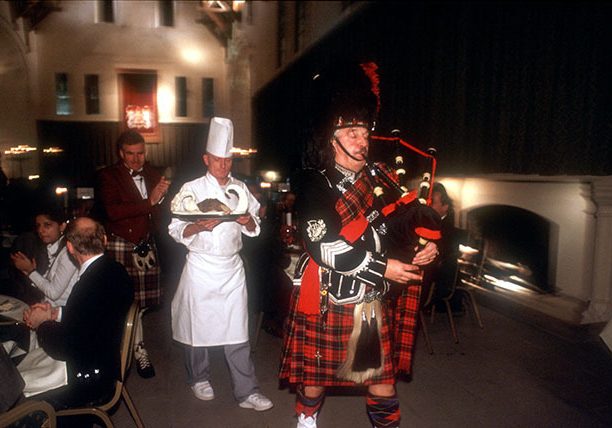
579, 210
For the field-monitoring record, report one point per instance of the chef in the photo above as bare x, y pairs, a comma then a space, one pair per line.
210, 304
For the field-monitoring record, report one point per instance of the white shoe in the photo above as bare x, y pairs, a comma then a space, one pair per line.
257, 401
307, 421
203, 391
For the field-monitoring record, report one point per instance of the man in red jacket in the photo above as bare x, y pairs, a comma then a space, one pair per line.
130, 193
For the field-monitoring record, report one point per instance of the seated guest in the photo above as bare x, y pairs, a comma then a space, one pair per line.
444, 272
86, 333
57, 280
17, 284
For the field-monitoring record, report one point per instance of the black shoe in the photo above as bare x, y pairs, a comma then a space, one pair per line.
143, 364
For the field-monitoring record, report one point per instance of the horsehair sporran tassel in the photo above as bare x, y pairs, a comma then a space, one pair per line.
367, 354
365, 358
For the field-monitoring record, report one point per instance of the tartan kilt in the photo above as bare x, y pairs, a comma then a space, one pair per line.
404, 311
147, 289
304, 336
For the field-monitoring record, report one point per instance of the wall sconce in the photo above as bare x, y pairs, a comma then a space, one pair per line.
53, 150
243, 153
271, 176
62, 191
19, 150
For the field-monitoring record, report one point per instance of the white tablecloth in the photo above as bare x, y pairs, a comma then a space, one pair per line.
13, 308
39, 371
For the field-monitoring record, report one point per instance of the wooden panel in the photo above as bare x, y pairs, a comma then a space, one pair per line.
89, 146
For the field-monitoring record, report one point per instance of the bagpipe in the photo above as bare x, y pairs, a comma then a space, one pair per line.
407, 222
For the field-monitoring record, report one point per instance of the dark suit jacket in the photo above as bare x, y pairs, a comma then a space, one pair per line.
444, 270
89, 335
126, 213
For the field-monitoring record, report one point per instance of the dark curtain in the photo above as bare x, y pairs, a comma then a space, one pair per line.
519, 87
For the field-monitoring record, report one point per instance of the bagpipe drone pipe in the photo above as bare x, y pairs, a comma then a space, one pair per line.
407, 222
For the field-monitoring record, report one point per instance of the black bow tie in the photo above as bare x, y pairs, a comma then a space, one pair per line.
136, 173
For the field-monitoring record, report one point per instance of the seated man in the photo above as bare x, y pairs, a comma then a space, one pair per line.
86, 333
445, 270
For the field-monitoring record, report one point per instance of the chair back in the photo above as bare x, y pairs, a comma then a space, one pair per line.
127, 341
126, 349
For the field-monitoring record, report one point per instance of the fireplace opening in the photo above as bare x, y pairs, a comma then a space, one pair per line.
506, 247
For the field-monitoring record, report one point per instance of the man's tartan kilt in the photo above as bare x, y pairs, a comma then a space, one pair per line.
404, 312
304, 336
147, 289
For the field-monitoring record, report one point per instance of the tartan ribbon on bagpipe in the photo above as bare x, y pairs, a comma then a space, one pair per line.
358, 197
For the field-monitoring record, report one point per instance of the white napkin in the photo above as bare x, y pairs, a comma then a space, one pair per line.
41, 372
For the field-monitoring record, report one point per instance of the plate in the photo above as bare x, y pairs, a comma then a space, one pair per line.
6, 306
204, 216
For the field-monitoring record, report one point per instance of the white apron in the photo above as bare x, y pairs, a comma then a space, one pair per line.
209, 307
210, 304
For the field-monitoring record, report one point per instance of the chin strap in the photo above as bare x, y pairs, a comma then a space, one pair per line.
346, 151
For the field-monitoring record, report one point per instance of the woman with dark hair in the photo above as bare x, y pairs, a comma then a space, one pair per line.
57, 279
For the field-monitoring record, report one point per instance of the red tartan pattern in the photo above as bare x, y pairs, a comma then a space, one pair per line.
360, 196
304, 336
405, 312
147, 289
355, 200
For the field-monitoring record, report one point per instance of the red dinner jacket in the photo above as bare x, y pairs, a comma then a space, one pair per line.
127, 214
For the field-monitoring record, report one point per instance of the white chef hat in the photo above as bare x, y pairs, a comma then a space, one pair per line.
220, 137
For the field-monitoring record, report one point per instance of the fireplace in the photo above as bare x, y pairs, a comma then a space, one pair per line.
513, 245
552, 234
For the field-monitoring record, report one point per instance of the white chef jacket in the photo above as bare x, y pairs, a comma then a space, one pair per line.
209, 307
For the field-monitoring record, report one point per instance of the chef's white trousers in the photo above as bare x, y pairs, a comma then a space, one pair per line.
238, 358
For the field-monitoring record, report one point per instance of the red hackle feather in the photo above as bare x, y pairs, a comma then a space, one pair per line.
369, 68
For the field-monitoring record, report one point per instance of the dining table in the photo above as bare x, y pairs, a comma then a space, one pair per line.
40, 372
12, 307
14, 334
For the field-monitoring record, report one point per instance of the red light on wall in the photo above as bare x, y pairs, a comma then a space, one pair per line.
140, 117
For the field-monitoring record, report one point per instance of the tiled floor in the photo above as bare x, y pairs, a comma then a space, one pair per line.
511, 374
